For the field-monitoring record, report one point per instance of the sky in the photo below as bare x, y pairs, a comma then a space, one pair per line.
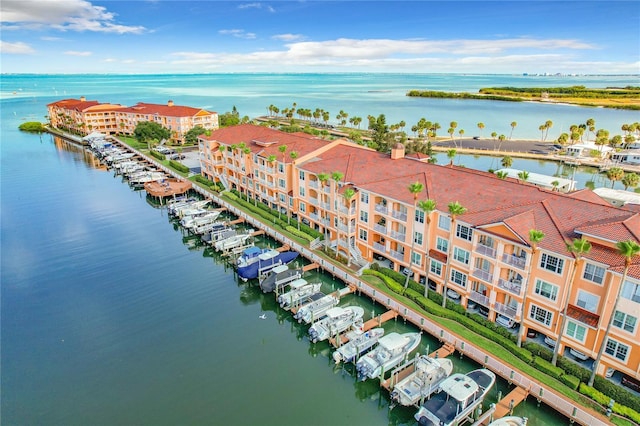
205, 36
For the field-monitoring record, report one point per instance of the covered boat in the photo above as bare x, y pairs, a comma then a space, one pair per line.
358, 344
427, 375
336, 321
317, 309
456, 399
232, 242
299, 291
278, 278
262, 263
392, 349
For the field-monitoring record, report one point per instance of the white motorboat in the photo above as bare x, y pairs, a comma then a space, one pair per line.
232, 242
176, 209
336, 321
193, 221
358, 344
392, 349
457, 397
427, 375
278, 278
209, 227
146, 176
300, 289
510, 421
316, 310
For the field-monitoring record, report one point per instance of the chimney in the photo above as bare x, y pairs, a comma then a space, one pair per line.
170, 103
82, 99
397, 151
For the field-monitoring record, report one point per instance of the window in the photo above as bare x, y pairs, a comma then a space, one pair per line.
631, 291
435, 267
547, 290
463, 232
593, 273
363, 234
617, 349
282, 198
576, 331
364, 197
458, 278
301, 175
364, 216
442, 245
416, 258
281, 167
588, 301
419, 216
291, 201
282, 183
417, 238
303, 207
541, 315
551, 263
625, 321
460, 255
444, 222
302, 191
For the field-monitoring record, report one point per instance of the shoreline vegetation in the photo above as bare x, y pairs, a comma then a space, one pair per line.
611, 97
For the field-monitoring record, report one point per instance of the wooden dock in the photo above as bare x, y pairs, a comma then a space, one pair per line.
443, 352
310, 266
256, 233
285, 247
237, 221
505, 406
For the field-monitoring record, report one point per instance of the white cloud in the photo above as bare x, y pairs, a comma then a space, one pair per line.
238, 33
17, 48
288, 37
76, 53
256, 6
63, 15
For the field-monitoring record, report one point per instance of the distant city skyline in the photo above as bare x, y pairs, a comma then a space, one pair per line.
137, 36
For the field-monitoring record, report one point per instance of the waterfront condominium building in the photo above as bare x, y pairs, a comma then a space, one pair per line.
83, 117
484, 256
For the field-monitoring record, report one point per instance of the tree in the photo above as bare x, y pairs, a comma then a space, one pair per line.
555, 185
191, 137
523, 175
502, 174
379, 132
535, 237
615, 174
501, 138
323, 178
147, 131
506, 162
337, 177
630, 180
547, 124
451, 154
415, 189
513, 126
428, 206
578, 247
628, 249
455, 210
481, 127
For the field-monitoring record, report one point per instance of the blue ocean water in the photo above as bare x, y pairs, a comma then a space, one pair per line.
109, 317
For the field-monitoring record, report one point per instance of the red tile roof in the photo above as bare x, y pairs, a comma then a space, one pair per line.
74, 104
164, 110
583, 315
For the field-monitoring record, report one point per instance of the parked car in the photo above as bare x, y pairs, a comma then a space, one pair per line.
532, 333
406, 272
483, 310
177, 157
163, 150
453, 295
506, 321
579, 355
550, 342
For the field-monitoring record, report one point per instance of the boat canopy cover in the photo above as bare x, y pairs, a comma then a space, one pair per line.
297, 283
280, 269
393, 341
253, 251
459, 386
335, 312
268, 254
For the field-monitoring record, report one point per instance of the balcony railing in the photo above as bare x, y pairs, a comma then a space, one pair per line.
314, 217
486, 250
400, 215
505, 310
344, 210
380, 228
398, 236
381, 209
514, 287
379, 247
479, 298
397, 255
513, 260
314, 184
313, 200
483, 275
343, 228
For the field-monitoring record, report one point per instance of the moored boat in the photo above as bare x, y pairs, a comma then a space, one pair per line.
358, 344
510, 421
336, 321
456, 398
232, 242
193, 221
392, 349
300, 289
278, 278
427, 375
316, 310
264, 262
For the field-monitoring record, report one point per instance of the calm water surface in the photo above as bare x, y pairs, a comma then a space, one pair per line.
110, 316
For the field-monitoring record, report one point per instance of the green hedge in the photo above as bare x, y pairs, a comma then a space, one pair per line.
603, 399
571, 381
300, 234
616, 392
158, 155
548, 368
178, 166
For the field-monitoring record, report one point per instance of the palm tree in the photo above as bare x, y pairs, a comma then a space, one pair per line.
481, 127
348, 196
578, 247
513, 126
615, 174
541, 128
547, 124
501, 138
502, 174
630, 180
555, 185
523, 175
428, 206
535, 237
506, 161
451, 154
455, 210
337, 177
628, 249
415, 189
323, 178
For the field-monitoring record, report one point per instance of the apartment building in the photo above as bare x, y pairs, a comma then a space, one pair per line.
84, 117
360, 199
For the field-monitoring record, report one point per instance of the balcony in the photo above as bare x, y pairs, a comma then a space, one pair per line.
343, 228
314, 184
400, 215
379, 247
479, 298
513, 260
398, 236
314, 201
380, 228
381, 208
514, 286
314, 217
505, 310
397, 255
344, 210
483, 275
486, 250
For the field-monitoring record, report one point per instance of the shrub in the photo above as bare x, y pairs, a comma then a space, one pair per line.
158, 155
547, 368
230, 195
300, 234
616, 392
375, 266
32, 127
574, 369
603, 399
538, 350
571, 381
178, 166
